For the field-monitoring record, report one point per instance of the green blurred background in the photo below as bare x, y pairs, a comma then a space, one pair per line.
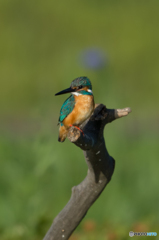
41, 44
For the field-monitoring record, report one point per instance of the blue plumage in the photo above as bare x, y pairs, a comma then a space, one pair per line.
83, 92
84, 81
66, 108
77, 108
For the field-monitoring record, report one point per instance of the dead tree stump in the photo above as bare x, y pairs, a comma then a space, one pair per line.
100, 169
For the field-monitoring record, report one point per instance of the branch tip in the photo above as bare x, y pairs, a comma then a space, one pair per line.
122, 112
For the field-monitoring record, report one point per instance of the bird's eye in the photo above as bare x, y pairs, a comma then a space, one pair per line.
80, 87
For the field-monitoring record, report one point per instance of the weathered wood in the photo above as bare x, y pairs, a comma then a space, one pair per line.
100, 169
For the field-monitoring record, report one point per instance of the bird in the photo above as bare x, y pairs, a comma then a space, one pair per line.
77, 108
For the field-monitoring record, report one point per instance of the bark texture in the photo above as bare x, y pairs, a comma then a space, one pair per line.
100, 169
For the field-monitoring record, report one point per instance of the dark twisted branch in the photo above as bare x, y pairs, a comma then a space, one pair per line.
100, 169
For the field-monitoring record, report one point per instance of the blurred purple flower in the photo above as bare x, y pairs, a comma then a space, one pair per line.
93, 58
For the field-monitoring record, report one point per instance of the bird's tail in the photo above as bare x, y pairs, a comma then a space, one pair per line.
62, 133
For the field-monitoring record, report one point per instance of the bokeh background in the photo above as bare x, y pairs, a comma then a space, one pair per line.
44, 45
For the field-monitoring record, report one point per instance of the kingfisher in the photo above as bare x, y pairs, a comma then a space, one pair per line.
78, 107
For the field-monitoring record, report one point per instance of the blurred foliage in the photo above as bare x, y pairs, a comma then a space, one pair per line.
41, 44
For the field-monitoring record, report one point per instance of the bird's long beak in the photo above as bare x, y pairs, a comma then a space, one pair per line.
68, 90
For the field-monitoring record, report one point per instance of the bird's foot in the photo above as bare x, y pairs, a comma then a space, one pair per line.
77, 128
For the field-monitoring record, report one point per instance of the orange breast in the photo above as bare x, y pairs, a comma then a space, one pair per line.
83, 109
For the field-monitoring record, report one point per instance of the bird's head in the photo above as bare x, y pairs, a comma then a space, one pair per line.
80, 85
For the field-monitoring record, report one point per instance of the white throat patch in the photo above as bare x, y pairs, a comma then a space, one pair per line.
76, 93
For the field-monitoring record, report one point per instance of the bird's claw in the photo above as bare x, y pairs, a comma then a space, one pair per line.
77, 128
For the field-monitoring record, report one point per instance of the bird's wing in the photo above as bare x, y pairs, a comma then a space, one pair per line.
66, 108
